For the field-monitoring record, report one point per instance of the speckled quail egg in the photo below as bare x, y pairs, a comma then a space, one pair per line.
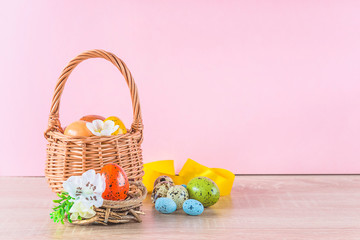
163, 179
160, 190
193, 207
204, 190
165, 205
179, 194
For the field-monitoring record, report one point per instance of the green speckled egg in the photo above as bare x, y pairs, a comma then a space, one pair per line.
160, 190
179, 194
163, 179
204, 190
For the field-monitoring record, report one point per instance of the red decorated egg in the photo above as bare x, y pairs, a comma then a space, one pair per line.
117, 184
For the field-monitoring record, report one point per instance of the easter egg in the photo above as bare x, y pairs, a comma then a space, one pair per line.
117, 121
193, 207
163, 179
160, 191
183, 185
165, 205
117, 184
204, 190
78, 129
90, 118
179, 194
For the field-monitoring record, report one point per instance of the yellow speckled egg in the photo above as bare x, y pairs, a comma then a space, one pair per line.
179, 194
160, 191
117, 121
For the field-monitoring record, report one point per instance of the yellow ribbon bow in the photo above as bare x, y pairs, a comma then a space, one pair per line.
222, 177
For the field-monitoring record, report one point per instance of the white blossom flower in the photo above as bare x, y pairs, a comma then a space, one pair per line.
101, 128
80, 209
87, 188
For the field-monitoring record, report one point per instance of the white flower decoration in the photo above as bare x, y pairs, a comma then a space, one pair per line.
86, 189
101, 128
79, 209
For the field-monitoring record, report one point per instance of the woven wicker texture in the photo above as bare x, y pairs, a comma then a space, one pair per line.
68, 156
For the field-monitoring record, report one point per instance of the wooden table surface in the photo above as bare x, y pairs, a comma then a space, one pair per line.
260, 207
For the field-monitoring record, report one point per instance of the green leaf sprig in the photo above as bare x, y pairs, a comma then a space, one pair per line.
62, 210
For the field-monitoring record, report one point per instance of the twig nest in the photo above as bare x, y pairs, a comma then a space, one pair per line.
128, 210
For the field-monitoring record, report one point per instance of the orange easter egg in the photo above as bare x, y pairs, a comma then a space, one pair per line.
117, 184
90, 118
78, 129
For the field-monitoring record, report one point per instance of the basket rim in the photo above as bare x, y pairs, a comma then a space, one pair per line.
58, 134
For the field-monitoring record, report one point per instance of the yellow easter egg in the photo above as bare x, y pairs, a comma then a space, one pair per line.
117, 121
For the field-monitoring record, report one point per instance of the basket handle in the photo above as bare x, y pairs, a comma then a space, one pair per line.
54, 122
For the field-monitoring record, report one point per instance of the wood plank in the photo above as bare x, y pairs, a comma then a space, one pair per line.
260, 207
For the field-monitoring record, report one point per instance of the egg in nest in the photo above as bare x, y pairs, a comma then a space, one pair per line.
117, 183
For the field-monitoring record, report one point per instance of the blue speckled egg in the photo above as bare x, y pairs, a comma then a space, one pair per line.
193, 207
183, 185
165, 205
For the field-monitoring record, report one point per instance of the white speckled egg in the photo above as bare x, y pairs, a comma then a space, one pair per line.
160, 190
193, 207
165, 205
179, 194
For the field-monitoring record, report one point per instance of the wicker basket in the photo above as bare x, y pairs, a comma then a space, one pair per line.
119, 211
68, 156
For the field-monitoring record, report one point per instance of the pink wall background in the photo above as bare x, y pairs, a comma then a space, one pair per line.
256, 87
